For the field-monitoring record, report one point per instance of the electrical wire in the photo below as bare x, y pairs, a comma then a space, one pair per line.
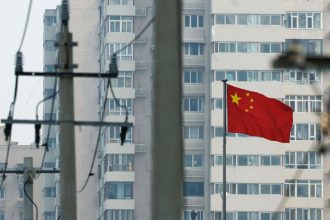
109, 85
29, 98
49, 126
136, 36
98, 137
19, 64
27, 195
26, 25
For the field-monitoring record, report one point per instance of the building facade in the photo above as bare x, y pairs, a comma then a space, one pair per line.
12, 192
223, 39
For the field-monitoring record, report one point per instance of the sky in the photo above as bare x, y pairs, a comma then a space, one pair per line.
12, 20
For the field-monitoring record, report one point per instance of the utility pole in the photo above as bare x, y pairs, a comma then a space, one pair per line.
67, 135
167, 143
29, 173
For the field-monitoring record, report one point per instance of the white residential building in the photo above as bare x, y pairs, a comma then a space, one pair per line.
236, 40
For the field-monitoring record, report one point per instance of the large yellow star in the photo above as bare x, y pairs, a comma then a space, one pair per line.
235, 98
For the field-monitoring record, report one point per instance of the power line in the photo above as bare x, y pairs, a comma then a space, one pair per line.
49, 126
26, 25
19, 67
109, 85
27, 195
8, 126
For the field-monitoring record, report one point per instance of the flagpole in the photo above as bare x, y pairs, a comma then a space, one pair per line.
224, 157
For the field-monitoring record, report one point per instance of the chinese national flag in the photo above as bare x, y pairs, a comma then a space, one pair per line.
257, 115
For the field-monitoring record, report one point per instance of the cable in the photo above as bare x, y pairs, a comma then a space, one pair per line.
27, 195
45, 144
19, 67
137, 36
109, 85
26, 25
8, 126
28, 99
98, 139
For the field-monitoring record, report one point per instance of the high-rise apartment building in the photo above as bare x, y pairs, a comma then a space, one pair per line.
236, 40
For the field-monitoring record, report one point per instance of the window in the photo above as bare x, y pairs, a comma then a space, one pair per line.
193, 49
49, 68
193, 160
194, 21
310, 46
303, 214
124, 80
2, 215
120, 162
125, 54
302, 76
49, 92
303, 160
115, 135
21, 192
48, 116
120, 23
303, 188
248, 19
50, 20
2, 193
193, 104
193, 132
51, 143
119, 2
247, 160
115, 109
187, 215
247, 215
216, 103
193, 76
246, 75
218, 132
225, 19
50, 191
193, 189
247, 47
305, 20
218, 160
49, 215
49, 165
218, 216
119, 190
305, 132
49, 45
119, 214
305, 103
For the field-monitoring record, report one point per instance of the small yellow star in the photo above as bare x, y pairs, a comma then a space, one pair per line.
235, 98
251, 100
251, 107
246, 110
247, 94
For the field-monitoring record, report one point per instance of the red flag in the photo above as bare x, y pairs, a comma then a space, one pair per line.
257, 115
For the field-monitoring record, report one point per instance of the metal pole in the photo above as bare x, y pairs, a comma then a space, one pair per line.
224, 157
28, 181
67, 135
167, 152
